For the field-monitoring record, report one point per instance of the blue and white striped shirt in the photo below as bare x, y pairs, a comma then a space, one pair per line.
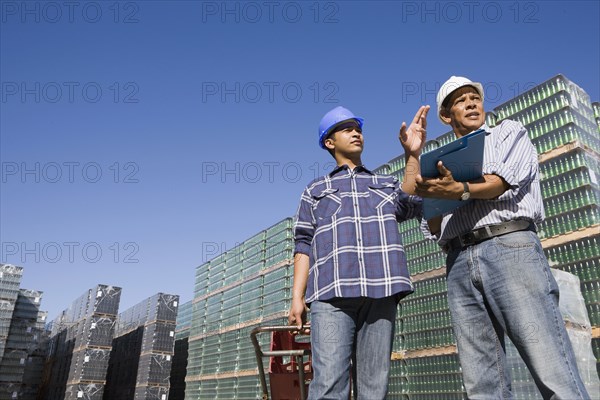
347, 225
508, 153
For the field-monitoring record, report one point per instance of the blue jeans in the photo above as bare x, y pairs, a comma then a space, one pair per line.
504, 284
352, 331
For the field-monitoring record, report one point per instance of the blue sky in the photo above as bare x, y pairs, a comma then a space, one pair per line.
137, 137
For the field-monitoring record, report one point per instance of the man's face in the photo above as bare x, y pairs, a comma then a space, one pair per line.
346, 138
464, 110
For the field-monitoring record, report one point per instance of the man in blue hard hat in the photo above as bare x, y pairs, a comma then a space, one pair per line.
349, 262
499, 281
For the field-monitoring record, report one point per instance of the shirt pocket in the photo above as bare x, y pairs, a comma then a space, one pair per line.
382, 196
327, 204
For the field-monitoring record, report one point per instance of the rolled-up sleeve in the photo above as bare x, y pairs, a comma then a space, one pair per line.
304, 225
518, 163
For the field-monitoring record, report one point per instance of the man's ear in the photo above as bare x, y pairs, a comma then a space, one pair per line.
330, 143
445, 115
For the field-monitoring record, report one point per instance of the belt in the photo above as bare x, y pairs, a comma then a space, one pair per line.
487, 232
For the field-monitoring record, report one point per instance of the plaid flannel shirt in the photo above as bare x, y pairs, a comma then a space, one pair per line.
347, 225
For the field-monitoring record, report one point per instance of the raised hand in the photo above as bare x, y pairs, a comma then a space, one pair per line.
413, 138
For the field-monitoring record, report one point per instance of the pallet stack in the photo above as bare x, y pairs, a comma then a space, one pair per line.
80, 345
142, 350
22, 336
247, 286
33, 373
180, 354
568, 143
10, 281
21, 362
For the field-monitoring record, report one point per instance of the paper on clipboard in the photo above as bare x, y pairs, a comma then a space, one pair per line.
464, 157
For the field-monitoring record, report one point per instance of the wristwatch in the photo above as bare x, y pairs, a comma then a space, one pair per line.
466, 195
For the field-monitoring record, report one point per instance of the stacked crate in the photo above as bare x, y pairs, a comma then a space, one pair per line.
143, 344
596, 339
33, 374
563, 125
80, 346
20, 368
248, 286
10, 280
180, 353
573, 310
568, 142
436, 377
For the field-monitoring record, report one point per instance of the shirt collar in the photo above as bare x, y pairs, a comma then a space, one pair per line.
359, 168
486, 128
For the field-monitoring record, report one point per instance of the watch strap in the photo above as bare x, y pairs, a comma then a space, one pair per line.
466, 192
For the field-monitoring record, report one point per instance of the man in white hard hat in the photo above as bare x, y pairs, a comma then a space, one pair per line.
499, 280
349, 263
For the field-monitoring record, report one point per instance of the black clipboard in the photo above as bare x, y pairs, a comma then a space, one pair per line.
464, 158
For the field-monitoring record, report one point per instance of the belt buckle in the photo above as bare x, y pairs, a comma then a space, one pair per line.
467, 239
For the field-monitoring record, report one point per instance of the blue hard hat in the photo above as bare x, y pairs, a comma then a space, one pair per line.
332, 118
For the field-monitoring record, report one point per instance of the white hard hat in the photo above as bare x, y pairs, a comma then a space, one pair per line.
455, 82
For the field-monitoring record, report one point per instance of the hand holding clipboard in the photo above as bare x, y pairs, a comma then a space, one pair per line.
464, 158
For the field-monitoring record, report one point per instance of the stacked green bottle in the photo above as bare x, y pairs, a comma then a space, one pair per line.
539, 94
247, 286
555, 112
426, 378
422, 254
253, 255
581, 258
594, 268
570, 191
491, 119
596, 108
564, 126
